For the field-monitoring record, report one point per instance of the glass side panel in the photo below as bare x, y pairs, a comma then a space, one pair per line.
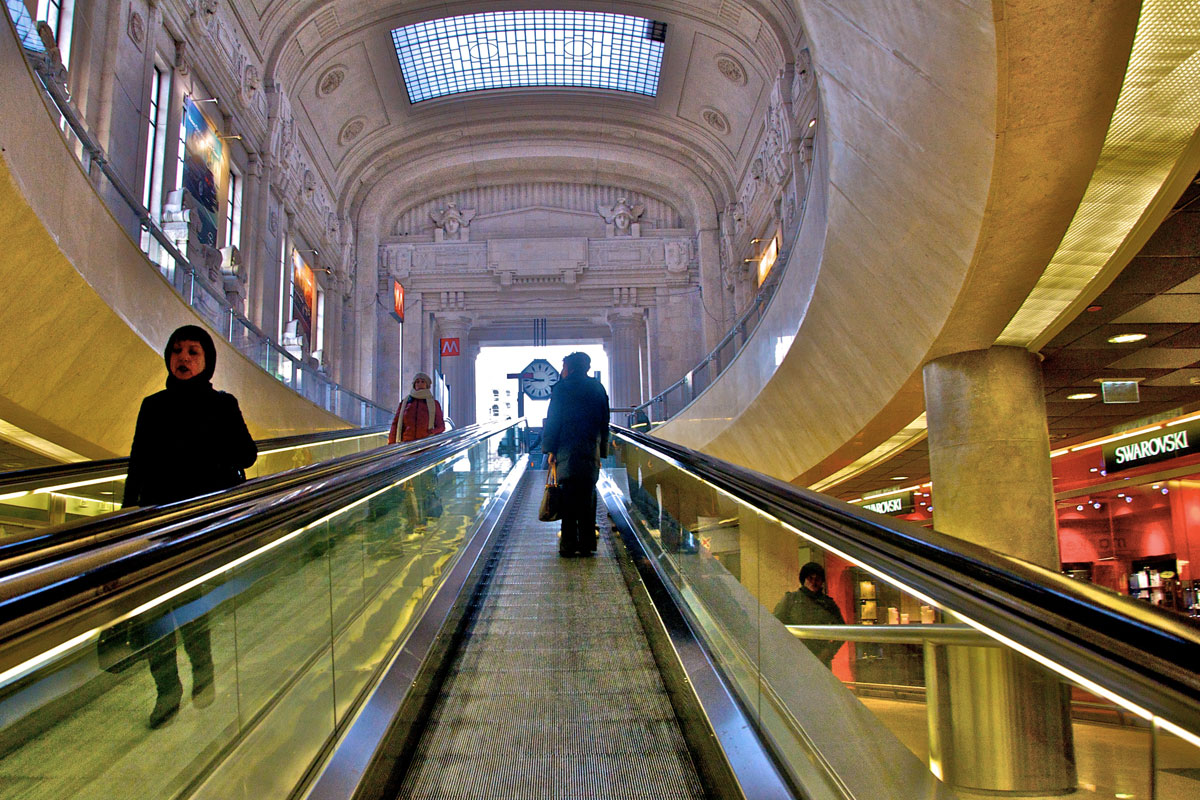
929, 692
1177, 767
293, 637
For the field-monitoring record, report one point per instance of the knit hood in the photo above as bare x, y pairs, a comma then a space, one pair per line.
191, 333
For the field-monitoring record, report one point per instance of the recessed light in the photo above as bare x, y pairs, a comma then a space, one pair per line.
1081, 396
1126, 338
1093, 308
899, 477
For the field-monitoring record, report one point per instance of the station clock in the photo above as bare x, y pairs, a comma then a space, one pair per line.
541, 377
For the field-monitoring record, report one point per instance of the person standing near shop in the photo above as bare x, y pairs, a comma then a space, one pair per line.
190, 440
574, 439
809, 605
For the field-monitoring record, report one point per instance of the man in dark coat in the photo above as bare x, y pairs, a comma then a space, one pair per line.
575, 438
809, 605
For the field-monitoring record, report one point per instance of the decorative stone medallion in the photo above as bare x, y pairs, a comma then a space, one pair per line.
716, 120
330, 80
351, 130
137, 28
732, 69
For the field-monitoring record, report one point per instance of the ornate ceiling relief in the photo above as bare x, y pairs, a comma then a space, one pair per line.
330, 80
732, 69
716, 120
351, 131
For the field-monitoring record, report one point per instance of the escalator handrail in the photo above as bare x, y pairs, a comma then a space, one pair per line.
42, 605
1145, 655
54, 542
23, 480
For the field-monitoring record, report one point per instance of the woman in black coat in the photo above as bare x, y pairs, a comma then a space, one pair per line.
190, 440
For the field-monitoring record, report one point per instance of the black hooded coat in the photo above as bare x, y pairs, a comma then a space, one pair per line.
190, 438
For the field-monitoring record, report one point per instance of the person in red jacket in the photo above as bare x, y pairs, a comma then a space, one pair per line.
419, 414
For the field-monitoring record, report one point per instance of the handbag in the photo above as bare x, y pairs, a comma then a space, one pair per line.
551, 507
115, 648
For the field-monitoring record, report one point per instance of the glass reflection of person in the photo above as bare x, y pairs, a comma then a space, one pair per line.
190, 440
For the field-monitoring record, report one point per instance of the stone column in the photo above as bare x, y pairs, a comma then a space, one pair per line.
989, 456
457, 369
388, 388
628, 330
471, 353
712, 293
366, 323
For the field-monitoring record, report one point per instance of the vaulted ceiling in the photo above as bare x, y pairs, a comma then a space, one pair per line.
688, 145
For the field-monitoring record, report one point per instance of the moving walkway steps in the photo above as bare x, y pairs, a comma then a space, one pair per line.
554, 692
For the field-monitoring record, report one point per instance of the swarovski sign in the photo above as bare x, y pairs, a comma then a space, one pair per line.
896, 504
1159, 445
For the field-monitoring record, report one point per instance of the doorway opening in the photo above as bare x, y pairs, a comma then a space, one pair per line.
496, 393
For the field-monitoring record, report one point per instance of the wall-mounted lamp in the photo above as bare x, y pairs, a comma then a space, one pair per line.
812, 122
212, 100
237, 136
755, 241
308, 250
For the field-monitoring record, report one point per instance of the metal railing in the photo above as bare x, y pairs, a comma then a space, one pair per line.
162, 252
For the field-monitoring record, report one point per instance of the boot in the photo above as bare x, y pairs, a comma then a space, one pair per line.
166, 706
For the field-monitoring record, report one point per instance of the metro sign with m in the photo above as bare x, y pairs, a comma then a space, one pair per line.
450, 348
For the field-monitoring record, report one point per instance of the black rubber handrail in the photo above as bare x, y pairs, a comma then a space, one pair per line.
58, 541
1143, 654
43, 604
36, 477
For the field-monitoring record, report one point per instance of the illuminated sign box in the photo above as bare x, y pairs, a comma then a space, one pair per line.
397, 301
901, 503
767, 259
1154, 446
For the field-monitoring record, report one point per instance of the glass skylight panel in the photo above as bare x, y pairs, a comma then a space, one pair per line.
507, 49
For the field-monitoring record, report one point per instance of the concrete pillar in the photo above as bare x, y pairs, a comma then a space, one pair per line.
629, 330
989, 452
457, 369
712, 293
989, 456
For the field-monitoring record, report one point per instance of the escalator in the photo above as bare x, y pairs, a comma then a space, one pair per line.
401, 626
34, 498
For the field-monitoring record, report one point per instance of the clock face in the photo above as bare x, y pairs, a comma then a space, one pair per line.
542, 377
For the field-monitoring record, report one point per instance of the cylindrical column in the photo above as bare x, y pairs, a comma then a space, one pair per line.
998, 722
457, 368
628, 329
989, 452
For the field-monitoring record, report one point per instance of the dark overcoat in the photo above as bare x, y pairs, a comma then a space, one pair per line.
576, 427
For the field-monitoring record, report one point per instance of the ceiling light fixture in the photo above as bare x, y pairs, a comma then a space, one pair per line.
1081, 396
1126, 338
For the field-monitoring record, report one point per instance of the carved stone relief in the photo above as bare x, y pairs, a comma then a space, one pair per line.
716, 120
251, 82
136, 28
330, 80
678, 256
351, 130
452, 224
732, 69
621, 219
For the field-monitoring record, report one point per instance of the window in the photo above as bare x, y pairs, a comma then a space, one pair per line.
319, 327
60, 16
233, 212
156, 142
285, 285
506, 49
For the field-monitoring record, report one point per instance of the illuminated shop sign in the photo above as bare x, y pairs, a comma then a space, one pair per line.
894, 504
767, 259
1159, 445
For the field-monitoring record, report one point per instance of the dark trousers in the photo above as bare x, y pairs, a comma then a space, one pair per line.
164, 666
579, 515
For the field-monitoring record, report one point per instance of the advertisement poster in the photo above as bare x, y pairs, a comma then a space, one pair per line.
204, 168
304, 293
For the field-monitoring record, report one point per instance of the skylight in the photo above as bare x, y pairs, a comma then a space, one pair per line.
506, 49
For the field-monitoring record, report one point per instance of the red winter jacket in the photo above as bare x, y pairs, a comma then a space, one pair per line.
416, 421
